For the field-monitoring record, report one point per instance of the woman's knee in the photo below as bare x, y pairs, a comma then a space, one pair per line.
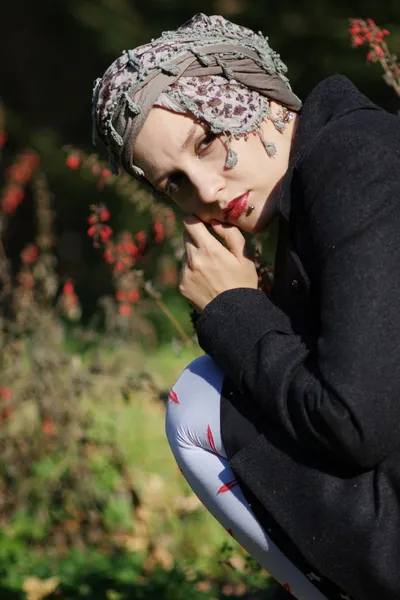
196, 392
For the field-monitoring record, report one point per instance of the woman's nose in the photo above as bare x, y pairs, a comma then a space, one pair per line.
207, 185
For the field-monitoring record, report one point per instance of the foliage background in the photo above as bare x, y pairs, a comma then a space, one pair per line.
51, 52
91, 503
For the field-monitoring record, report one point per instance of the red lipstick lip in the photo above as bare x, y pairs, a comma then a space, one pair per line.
236, 207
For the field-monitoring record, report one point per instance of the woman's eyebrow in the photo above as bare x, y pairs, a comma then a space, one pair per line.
192, 132
190, 136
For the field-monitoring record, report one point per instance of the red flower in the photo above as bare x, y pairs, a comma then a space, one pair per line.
104, 214
358, 40
73, 161
159, 231
16, 173
379, 37
125, 310
92, 230
131, 248
47, 426
355, 29
367, 32
141, 237
21, 171
133, 296
92, 220
5, 393
106, 173
30, 254
12, 199
127, 247
68, 288
109, 256
105, 232
120, 295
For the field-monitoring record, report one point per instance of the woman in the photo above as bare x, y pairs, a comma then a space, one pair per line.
288, 428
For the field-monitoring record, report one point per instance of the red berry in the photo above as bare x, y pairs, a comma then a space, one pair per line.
125, 310
105, 232
104, 214
47, 426
133, 296
73, 161
141, 236
68, 288
5, 393
30, 254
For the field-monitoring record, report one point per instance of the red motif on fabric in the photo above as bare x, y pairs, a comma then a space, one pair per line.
211, 441
173, 396
227, 486
286, 586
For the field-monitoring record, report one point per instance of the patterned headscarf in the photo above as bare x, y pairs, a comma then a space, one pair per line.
218, 72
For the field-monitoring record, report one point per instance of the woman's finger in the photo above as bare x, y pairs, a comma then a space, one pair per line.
233, 238
184, 266
190, 247
198, 231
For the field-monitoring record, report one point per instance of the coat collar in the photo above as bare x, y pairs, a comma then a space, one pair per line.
328, 101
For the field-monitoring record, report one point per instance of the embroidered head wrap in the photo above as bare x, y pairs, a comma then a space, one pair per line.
220, 73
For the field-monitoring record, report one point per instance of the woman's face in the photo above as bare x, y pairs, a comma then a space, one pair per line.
185, 161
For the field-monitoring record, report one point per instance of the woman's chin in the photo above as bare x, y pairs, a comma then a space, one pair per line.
252, 224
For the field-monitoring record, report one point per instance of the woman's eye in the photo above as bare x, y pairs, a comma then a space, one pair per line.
174, 182
207, 140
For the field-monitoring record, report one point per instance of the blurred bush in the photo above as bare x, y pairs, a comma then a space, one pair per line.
92, 504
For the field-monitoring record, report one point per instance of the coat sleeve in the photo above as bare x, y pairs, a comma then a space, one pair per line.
343, 399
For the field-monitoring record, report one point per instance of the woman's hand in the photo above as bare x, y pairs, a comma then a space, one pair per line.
209, 268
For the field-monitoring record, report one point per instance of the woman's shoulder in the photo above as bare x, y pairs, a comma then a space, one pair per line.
360, 147
355, 137
346, 148
362, 130
349, 173
338, 119
354, 123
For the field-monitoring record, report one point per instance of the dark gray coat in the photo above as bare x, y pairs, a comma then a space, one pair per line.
312, 426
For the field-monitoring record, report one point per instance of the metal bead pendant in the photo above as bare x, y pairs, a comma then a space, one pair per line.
249, 210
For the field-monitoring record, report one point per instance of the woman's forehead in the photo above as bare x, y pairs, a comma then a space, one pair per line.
169, 120
165, 136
